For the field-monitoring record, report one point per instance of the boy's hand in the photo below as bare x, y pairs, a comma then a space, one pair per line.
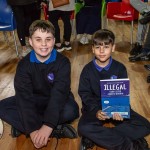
101, 115
40, 137
117, 116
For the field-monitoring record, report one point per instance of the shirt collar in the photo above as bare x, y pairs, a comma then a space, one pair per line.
52, 57
101, 68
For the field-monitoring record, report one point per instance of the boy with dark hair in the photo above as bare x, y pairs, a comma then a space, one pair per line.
128, 134
43, 102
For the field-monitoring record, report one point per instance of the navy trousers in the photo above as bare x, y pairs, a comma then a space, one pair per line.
119, 137
10, 114
54, 16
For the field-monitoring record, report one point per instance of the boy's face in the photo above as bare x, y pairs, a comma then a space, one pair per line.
42, 43
103, 53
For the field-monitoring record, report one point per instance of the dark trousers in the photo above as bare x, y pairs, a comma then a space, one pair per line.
9, 113
119, 137
54, 16
88, 20
25, 15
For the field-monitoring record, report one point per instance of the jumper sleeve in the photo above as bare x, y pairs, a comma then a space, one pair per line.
24, 98
122, 72
59, 94
90, 100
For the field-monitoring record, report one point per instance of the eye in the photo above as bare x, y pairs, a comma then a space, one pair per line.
106, 46
97, 47
49, 39
38, 40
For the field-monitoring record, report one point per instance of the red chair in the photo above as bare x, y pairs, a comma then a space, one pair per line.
122, 11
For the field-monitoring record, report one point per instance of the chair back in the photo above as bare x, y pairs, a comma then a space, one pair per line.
127, 9
6, 17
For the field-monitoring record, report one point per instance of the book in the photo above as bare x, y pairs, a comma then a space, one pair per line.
115, 97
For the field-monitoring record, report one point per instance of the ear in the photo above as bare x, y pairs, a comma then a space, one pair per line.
54, 41
113, 48
92, 48
30, 41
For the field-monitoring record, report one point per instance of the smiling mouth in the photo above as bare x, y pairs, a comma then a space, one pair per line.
102, 56
43, 49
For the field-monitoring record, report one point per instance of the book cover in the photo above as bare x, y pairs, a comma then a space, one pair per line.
115, 97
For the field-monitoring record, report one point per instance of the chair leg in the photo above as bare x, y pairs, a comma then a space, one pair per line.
5, 36
123, 29
16, 47
107, 23
132, 32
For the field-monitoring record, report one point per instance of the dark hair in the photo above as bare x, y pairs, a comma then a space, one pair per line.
43, 25
103, 36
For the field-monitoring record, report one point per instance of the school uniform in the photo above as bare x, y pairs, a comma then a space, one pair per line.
121, 136
42, 95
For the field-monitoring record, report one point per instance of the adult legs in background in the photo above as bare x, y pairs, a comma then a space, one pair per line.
54, 16
140, 6
24, 17
88, 21
141, 33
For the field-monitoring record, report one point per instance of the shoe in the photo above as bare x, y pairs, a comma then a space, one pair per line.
84, 40
1, 128
140, 144
147, 67
67, 47
143, 142
86, 144
146, 18
15, 132
59, 48
144, 56
64, 131
136, 49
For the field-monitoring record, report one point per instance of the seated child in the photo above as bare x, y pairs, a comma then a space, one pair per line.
128, 134
43, 102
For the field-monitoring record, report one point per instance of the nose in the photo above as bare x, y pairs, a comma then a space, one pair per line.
44, 43
101, 49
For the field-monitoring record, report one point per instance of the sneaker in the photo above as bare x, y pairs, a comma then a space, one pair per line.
64, 131
60, 48
144, 56
84, 40
136, 49
146, 18
67, 47
86, 144
15, 132
147, 67
140, 144
1, 128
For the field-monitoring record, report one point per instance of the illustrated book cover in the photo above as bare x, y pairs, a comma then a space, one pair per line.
115, 97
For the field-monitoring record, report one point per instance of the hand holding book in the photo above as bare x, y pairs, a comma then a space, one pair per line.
103, 116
